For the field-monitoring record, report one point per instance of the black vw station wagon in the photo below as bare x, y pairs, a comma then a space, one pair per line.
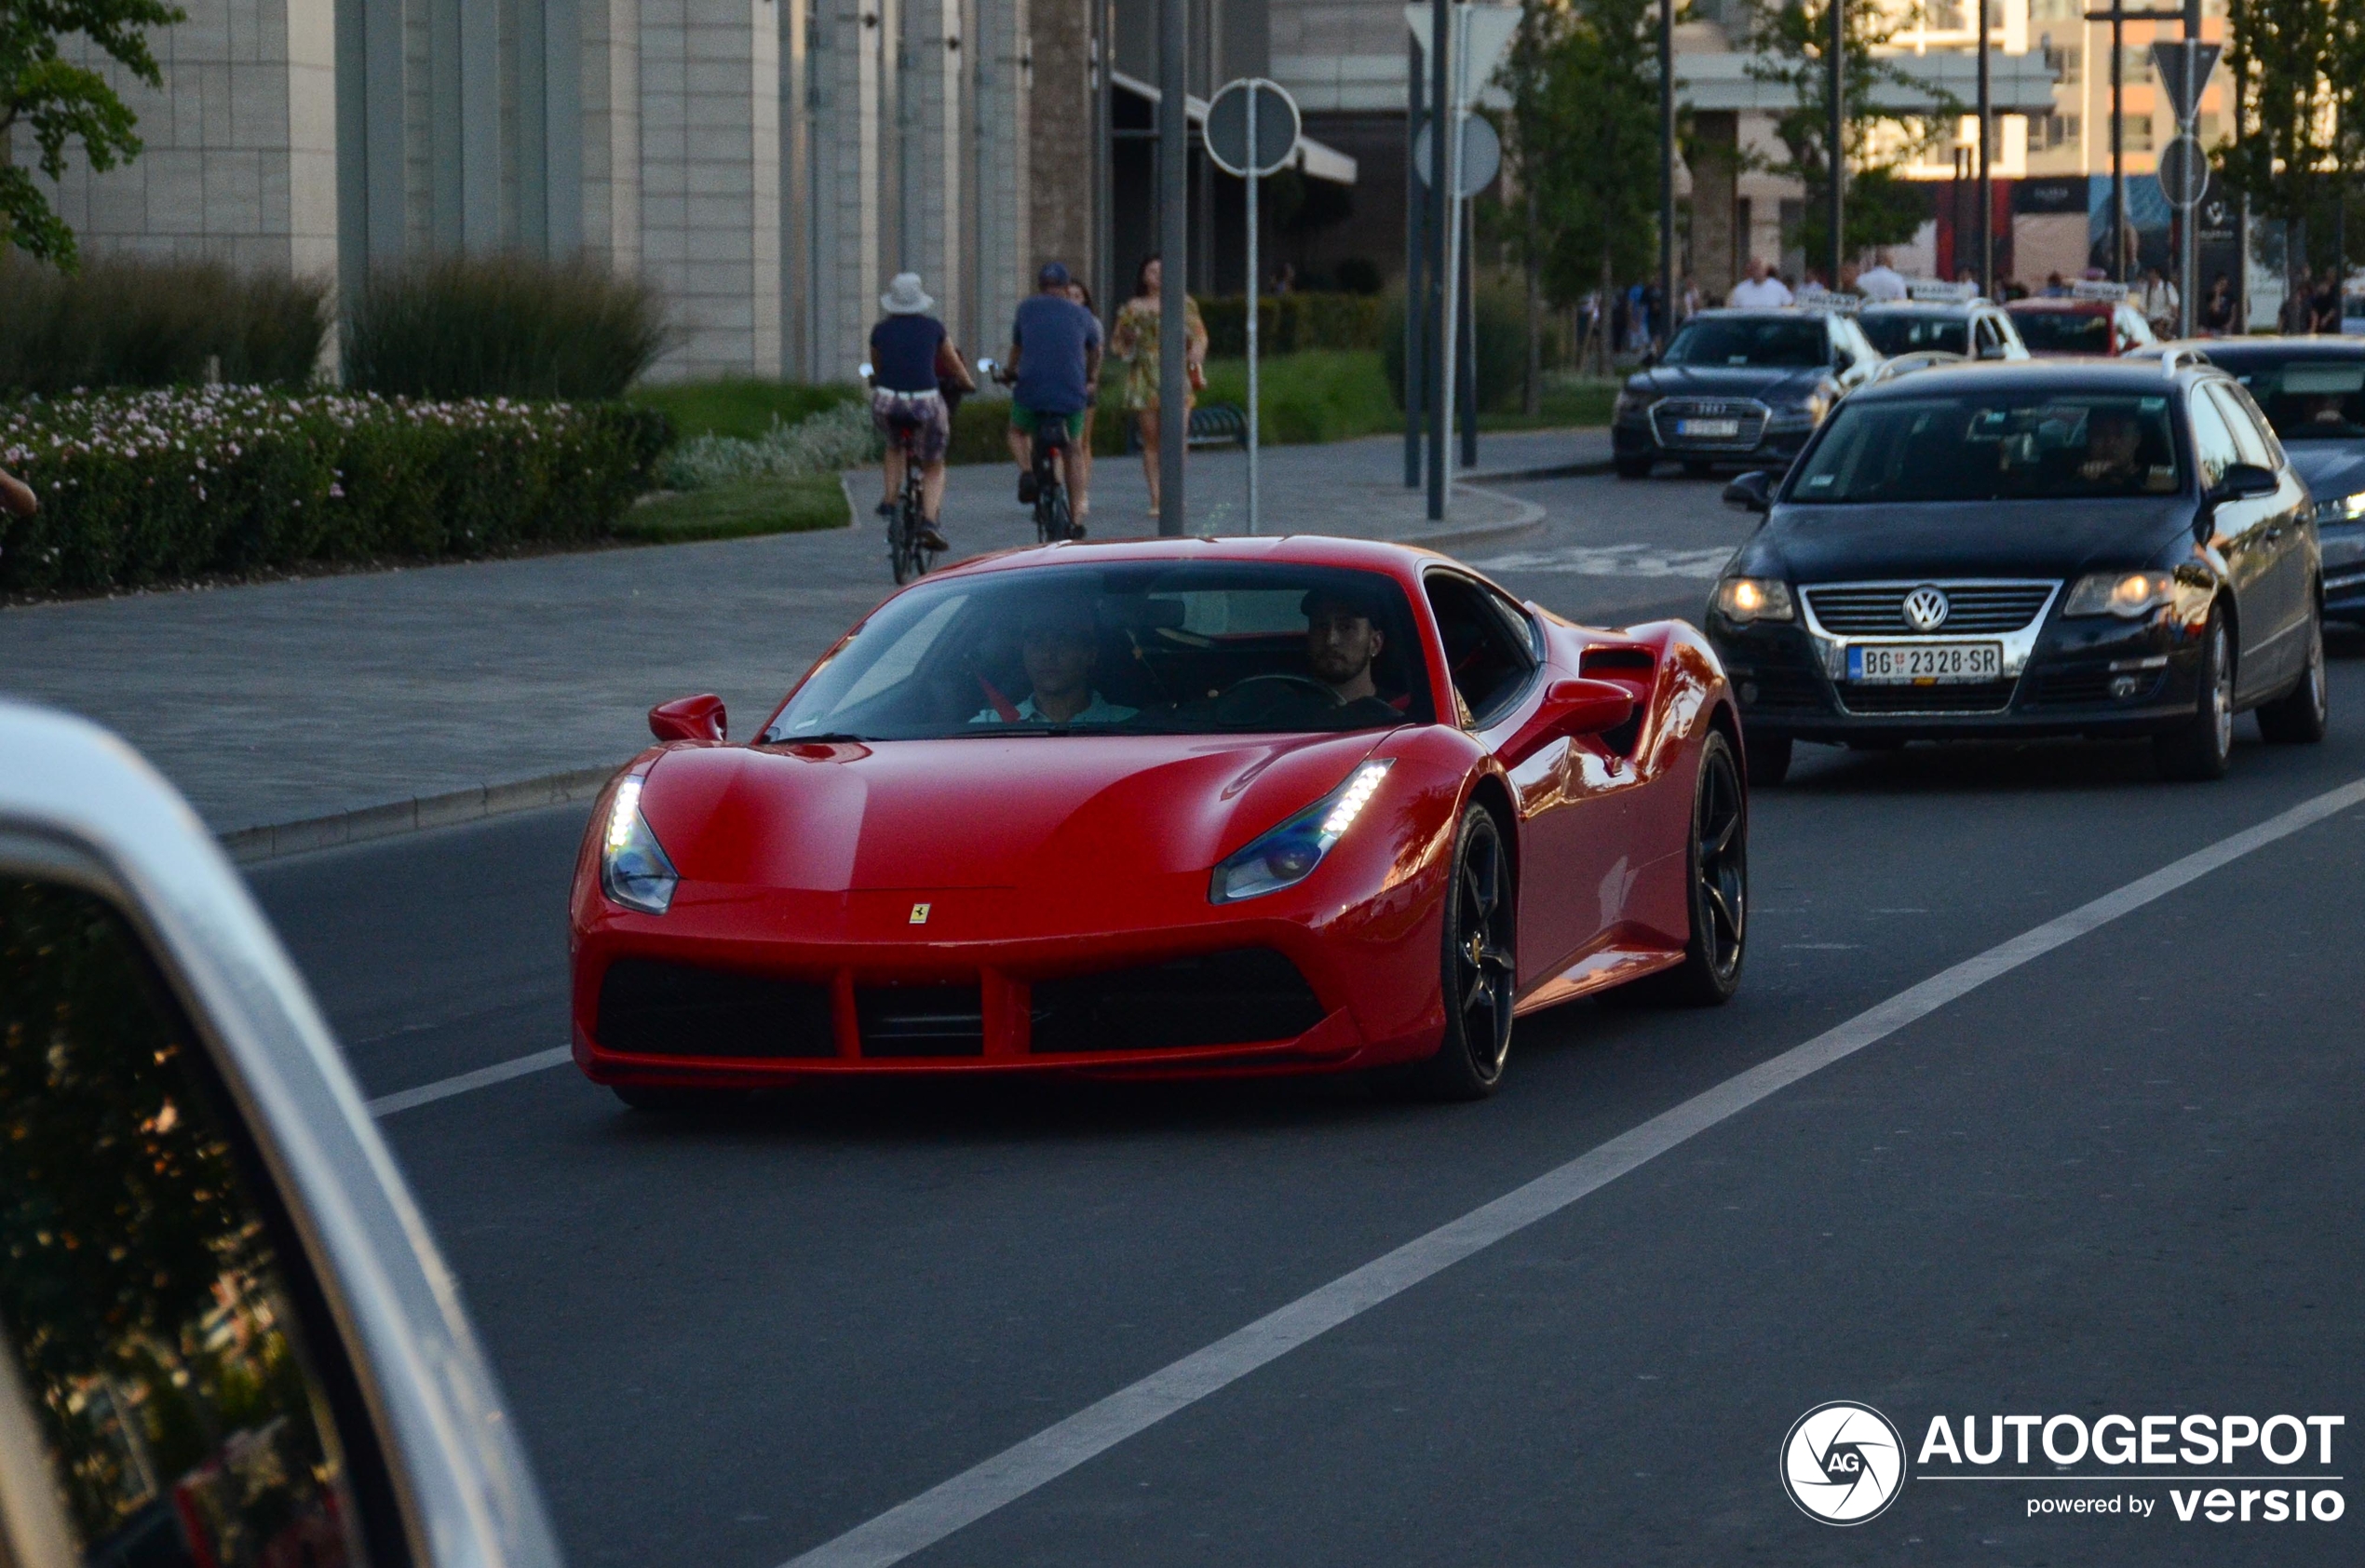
2047, 548
1738, 386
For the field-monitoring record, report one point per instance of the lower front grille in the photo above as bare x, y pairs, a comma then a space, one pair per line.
2090, 687
648, 1007
1983, 696
1217, 999
920, 1019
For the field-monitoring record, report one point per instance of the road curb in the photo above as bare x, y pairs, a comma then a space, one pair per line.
1589, 469
269, 843
1527, 516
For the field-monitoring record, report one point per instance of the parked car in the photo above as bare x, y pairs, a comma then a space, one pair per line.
225, 1334
2055, 548
2313, 392
1746, 386
2054, 327
1974, 329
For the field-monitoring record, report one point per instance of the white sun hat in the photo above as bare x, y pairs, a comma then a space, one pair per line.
904, 295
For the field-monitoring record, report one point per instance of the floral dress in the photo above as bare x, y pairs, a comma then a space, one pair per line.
1135, 340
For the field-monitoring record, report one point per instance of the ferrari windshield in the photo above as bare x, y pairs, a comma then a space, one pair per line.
1908, 331
2308, 399
1159, 647
1775, 341
2064, 331
1993, 446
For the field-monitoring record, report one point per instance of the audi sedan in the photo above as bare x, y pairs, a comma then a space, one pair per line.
1738, 386
2081, 549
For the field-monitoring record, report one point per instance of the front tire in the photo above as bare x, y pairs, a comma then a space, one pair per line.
2201, 747
1479, 972
1718, 865
2298, 717
1631, 468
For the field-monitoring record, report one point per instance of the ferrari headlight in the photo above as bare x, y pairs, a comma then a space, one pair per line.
634, 869
2124, 594
1287, 855
2340, 508
1755, 599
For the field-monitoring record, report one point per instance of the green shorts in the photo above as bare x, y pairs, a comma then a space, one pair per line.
1022, 419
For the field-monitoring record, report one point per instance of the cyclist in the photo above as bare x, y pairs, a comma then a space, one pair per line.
912, 359
1055, 359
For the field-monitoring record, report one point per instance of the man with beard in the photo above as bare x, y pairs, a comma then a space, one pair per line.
1341, 642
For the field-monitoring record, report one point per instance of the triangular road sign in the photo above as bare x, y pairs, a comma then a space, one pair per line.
1482, 37
2167, 59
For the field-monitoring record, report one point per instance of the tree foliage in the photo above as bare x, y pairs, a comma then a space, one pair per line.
2299, 84
1790, 40
59, 102
1583, 79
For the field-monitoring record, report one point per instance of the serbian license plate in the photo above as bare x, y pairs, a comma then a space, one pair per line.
1926, 663
1708, 429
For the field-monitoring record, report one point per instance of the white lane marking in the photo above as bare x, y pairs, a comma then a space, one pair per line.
1614, 560
914, 1526
444, 1088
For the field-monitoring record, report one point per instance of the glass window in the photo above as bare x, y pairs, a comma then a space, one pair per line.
1996, 446
1157, 647
145, 1297
2064, 331
2213, 448
1488, 645
1908, 331
1777, 341
2308, 401
2249, 439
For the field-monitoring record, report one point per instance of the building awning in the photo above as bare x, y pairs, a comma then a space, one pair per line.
1313, 159
2018, 84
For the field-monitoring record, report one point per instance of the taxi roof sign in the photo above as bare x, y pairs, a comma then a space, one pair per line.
2094, 289
1816, 298
1932, 288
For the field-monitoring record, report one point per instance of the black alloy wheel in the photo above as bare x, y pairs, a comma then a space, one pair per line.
1480, 973
2298, 716
2201, 747
1768, 758
1719, 891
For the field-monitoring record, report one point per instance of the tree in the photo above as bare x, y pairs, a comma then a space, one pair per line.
2299, 90
59, 102
1790, 41
1583, 77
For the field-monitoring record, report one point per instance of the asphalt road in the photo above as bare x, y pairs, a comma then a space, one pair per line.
2120, 1177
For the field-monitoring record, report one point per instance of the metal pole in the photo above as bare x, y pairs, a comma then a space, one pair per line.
1986, 183
1837, 49
1441, 389
2189, 267
1252, 321
1466, 377
2118, 144
1416, 376
1666, 170
1174, 248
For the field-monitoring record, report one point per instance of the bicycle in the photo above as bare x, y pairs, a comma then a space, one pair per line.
1054, 520
908, 555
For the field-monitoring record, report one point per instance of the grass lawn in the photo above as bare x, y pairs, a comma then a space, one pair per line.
735, 512
741, 406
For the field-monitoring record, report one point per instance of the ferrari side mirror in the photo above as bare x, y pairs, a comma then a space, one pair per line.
690, 718
1582, 707
1753, 492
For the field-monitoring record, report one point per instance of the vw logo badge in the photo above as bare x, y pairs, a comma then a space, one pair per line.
1843, 1463
1925, 609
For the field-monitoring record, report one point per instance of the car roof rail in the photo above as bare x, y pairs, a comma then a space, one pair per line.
2176, 357
1916, 360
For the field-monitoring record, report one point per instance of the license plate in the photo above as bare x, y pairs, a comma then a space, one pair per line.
1926, 663
1708, 429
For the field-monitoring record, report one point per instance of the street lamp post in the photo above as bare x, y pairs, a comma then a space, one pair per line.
1441, 108
1835, 53
1667, 168
1986, 186
1174, 248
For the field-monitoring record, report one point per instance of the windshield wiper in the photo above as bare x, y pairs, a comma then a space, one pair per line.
821, 737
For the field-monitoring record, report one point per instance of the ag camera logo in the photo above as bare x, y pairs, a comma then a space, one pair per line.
1843, 1463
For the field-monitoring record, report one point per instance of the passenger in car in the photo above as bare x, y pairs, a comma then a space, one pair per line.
1059, 645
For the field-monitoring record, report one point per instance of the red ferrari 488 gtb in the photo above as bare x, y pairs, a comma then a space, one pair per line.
1167, 808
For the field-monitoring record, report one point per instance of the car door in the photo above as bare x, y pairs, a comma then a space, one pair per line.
167, 1359
1575, 878
2237, 530
2290, 538
1853, 356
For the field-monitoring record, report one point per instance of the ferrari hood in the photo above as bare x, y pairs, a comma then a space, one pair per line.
982, 812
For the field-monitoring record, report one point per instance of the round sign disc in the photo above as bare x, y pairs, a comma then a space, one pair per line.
2183, 172
1227, 126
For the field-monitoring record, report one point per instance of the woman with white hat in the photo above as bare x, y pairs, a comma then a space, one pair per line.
912, 359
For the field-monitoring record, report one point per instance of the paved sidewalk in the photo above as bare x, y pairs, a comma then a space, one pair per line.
284, 702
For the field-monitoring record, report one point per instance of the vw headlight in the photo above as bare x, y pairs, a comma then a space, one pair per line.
2340, 509
2124, 594
633, 868
1287, 855
1755, 599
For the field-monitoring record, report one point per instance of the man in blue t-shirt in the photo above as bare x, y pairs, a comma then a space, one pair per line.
1055, 357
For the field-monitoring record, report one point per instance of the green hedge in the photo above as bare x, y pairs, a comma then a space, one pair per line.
1501, 312
128, 322
505, 325
1290, 323
158, 487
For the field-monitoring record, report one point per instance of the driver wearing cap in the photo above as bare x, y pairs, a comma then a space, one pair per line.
1343, 640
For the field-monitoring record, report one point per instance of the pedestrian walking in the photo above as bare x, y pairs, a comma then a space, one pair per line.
1134, 339
2324, 310
2159, 300
2217, 310
1083, 297
1880, 281
1760, 289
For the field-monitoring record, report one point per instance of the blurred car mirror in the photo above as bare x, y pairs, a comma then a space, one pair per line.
690, 718
1753, 492
2244, 481
1582, 707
